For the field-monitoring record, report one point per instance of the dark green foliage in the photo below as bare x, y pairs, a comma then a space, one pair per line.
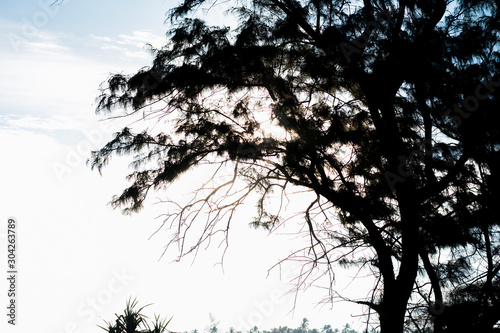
385, 111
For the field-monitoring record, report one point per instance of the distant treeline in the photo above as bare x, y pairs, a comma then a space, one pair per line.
303, 328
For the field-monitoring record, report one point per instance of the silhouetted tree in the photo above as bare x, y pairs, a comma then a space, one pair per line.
348, 329
281, 329
213, 328
304, 326
134, 321
327, 329
386, 111
254, 329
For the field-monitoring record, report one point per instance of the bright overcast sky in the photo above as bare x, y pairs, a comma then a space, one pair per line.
79, 260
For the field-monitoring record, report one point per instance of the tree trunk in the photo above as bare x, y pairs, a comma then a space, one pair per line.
392, 312
393, 307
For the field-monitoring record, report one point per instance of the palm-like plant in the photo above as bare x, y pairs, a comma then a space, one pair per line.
133, 321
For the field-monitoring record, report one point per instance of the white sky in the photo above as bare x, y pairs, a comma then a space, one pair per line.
79, 260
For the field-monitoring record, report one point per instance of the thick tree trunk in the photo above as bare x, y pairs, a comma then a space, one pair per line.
392, 309
392, 313
397, 293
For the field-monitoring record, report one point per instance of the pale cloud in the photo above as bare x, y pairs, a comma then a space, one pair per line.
21, 40
44, 47
137, 54
133, 46
106, 39
48, 83
50, 88
113, 47
140, 38
32, 122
